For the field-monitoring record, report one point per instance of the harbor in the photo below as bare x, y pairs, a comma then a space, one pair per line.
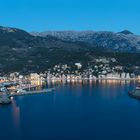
35, 84
6, 94
22, 93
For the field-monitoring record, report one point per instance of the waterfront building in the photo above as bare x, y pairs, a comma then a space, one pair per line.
123, 75
113, 76
36, 79
128, 76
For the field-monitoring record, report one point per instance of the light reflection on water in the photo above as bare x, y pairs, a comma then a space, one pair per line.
76, 109
16, 114
92, 83
103, 85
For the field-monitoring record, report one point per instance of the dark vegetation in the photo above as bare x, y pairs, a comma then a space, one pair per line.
20, 51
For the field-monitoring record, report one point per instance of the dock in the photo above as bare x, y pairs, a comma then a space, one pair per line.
33, 92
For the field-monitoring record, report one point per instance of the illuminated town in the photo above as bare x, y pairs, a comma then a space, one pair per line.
63, 73
16, 84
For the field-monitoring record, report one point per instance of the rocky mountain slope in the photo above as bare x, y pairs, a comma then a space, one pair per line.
26, 52
20, 51
123, 41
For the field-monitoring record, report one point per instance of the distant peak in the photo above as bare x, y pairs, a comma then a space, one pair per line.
126, 32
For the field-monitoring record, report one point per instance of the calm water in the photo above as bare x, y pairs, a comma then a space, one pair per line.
82, 111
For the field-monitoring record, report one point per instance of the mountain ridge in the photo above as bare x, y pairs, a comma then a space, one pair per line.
25, 52
121, 41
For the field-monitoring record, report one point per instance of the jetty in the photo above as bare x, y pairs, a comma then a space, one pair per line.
5, 95
22, 93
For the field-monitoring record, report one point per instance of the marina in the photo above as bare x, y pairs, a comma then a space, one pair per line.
32, 92
5, 95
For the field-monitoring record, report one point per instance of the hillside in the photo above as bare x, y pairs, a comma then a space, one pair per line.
124, 41
20, 51
24, 52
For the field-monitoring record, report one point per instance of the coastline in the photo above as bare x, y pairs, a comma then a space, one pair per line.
94, 79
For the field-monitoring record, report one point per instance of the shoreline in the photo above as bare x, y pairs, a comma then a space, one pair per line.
95, 79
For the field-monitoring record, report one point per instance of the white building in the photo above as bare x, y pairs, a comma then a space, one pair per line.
113, 76
36, 79
128, 76
123, 75
79, 65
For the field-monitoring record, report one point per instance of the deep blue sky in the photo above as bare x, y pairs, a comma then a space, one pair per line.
40, 15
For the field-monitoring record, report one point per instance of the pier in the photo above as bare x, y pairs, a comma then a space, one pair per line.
32, 92
5, 97
28, 87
